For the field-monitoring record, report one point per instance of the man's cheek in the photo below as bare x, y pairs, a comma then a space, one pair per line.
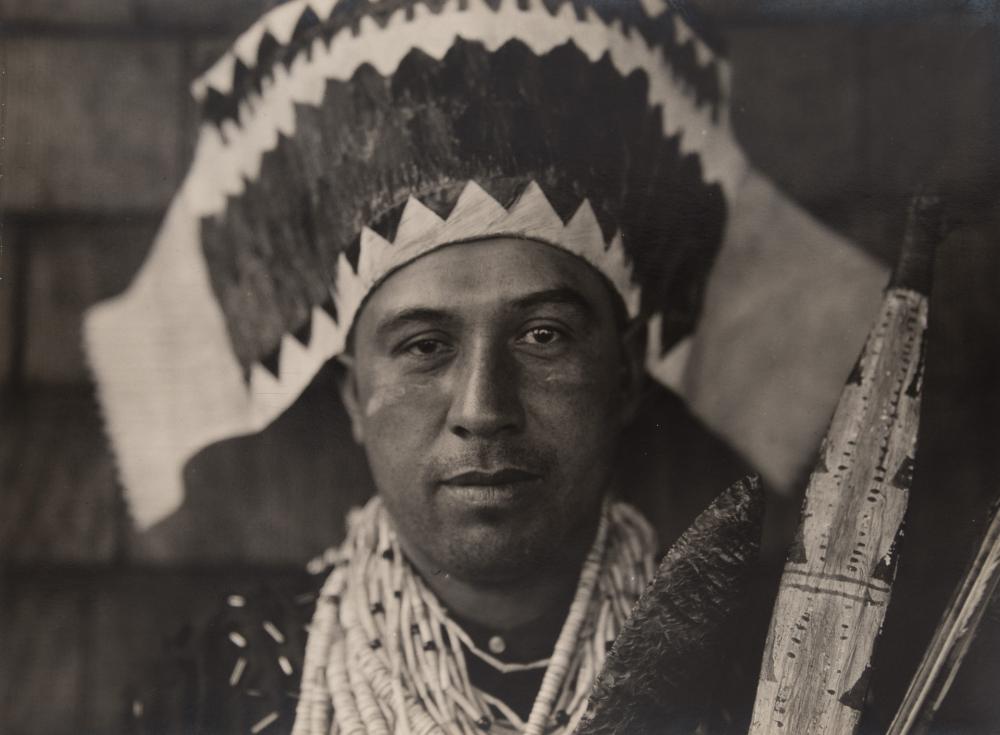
402, 419
569, 392
586, 370
567, 376
384, 397
398, 396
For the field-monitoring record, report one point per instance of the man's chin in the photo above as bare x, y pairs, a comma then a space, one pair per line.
498, 554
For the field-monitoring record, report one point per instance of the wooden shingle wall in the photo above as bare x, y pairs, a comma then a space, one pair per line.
98, 127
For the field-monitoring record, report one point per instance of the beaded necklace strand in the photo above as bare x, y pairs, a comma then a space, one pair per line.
383, 656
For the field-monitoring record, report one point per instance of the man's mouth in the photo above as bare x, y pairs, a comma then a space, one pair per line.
491, 478
491, 490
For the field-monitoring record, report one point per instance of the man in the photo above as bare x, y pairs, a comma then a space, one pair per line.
475, 208
489, 383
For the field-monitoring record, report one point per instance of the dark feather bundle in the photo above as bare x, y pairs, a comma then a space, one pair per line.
659, 675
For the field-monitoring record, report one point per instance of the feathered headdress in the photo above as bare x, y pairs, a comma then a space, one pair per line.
341, 140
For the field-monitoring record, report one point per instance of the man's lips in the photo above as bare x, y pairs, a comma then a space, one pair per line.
491, 478
490, 490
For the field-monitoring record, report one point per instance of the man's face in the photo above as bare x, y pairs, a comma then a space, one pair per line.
489, 385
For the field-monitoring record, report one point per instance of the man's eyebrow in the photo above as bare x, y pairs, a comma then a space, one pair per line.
400, 318
560, 295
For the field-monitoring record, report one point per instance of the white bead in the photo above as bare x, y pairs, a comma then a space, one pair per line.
497, 644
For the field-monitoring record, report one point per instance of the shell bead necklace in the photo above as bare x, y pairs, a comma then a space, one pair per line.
384, 656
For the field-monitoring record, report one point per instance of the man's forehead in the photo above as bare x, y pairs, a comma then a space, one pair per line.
497, 273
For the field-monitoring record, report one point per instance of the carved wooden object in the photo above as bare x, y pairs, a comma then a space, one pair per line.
839, 572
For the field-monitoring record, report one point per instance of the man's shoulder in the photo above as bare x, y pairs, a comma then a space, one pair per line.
239, 667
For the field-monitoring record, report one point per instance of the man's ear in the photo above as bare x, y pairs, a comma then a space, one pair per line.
348, 386
633, 368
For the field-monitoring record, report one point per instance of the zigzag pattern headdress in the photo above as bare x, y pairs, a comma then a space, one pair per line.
342, 140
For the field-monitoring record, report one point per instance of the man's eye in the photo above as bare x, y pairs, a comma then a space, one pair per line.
541, 336
426, 347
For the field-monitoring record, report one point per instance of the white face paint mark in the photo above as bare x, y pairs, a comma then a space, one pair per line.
382, 396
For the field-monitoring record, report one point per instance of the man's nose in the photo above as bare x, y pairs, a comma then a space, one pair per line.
485, 402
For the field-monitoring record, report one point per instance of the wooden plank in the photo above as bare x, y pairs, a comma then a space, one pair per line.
929, 107
92, 123
57, 482
201, 15
42, 618
89, 12
817, 66
11, 296
74, 264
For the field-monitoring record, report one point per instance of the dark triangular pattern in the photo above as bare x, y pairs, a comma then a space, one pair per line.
241, 75
271, 361
857, 374
564, 202
580, 7
913, 389
219, 107
330, 308
353, 253
797, 551
673, 328
703, 81
506, 190
855, 696
502, 119
442, 201
387, 224
267, 53
304, 333
903, 478
382, 12
631, 15
821, 468
701, 23
885, 570
307, 21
